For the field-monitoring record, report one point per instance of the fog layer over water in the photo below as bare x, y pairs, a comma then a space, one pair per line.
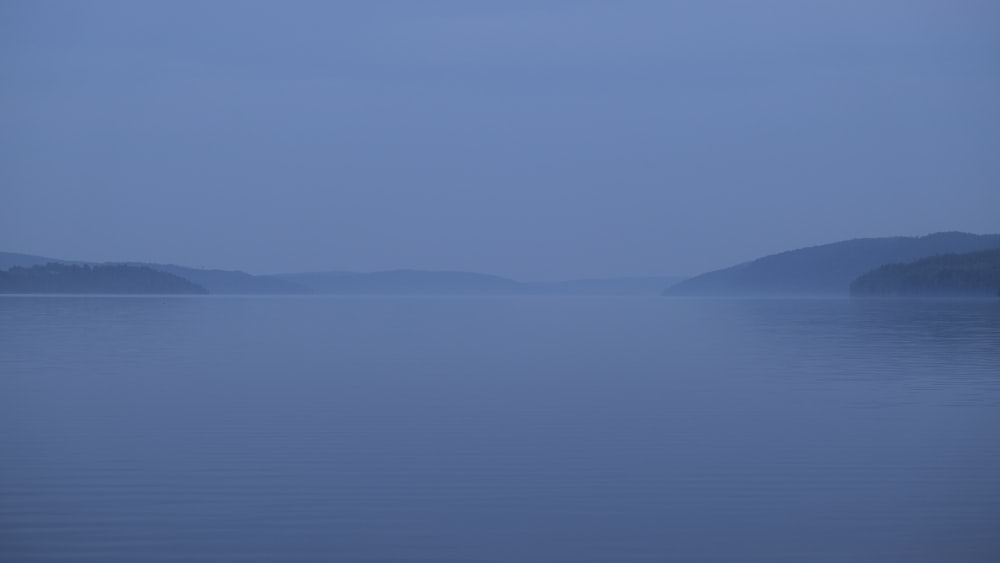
498, 429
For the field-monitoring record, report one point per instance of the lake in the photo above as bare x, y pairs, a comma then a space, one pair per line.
498, 430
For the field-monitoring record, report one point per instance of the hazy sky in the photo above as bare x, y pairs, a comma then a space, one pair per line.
530, 139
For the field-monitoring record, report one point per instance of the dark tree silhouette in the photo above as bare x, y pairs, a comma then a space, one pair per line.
962, 275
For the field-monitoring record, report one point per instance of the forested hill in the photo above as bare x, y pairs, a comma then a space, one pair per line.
974, 274
99, 279
215, 281
828, 269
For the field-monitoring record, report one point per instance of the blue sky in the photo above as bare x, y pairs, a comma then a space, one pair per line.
537, 140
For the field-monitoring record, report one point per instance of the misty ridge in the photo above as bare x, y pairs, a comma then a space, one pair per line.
951, 264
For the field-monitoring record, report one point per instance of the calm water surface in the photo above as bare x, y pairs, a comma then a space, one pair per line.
498, 430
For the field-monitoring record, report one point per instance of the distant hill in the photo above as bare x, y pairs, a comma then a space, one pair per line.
315, 282
973, 274
648, 285
424, 282
828, 269
102, 278
404, 282
232, 282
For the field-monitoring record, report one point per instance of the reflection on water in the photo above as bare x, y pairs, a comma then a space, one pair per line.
466, 429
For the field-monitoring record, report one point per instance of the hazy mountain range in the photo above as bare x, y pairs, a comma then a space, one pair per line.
444, 282
391, 282
825, 270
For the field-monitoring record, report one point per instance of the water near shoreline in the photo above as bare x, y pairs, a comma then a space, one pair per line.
498, 429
